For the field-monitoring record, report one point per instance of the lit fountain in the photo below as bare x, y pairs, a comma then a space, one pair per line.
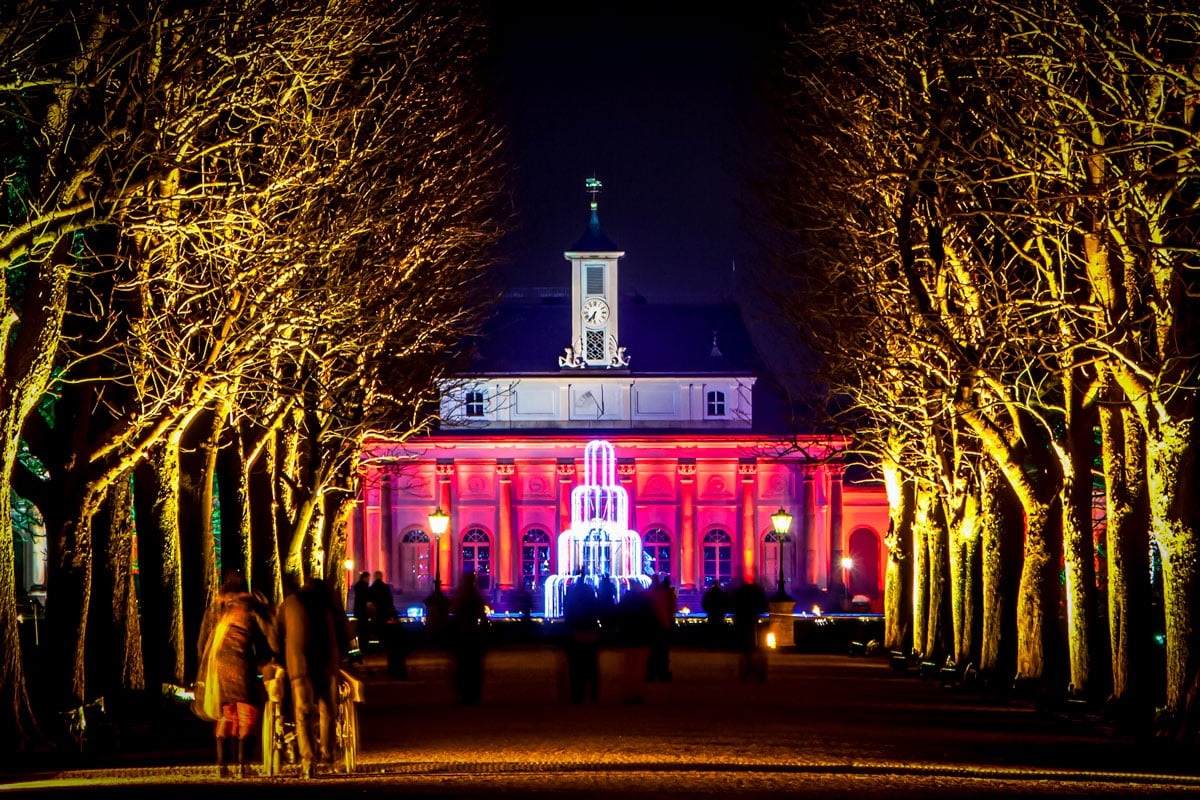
599, 541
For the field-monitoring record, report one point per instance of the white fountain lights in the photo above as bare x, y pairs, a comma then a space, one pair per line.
599, 541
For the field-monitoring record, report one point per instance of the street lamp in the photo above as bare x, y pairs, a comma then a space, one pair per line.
781, 521
847, 565
438, 522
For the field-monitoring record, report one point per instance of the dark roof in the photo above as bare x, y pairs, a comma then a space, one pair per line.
593, 239
532, 327
528, 334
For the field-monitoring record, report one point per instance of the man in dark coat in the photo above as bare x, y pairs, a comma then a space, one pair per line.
313, 634
581, 612
385, 606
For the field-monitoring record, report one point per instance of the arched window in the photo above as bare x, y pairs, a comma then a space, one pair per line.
718, 557
861, 573
656, 552
716, 403
771, 554
477, 556
535, 558
414, 562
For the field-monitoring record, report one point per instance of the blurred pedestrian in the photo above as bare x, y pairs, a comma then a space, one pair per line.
468, 631
437, 615
239, 636
583, 640
380, 595
663, 602
715, 603
606, 600
361, 597
636, 624
749, 603
313, 633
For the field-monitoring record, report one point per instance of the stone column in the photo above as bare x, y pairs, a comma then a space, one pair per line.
837, 586
625, 472
445, 477
504, 530
748, 471
566, 480
687, 523
383, 558
807, 541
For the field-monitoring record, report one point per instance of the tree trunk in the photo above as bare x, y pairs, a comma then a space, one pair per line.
339, 505
898, 581
70, 575
114, 644
1127, 539
1038, 593
157, 496
1002, 534
964, 539
19, 729
264, 544
201, 578
233, 489
969, 643
939, 628
1079, 552
1169, 471
920, 560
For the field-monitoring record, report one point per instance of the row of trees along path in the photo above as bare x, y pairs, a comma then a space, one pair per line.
994, 207
235, 237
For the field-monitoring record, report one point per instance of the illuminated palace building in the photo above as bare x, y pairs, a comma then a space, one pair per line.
620, 425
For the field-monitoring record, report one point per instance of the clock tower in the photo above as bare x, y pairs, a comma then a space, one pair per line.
594, 316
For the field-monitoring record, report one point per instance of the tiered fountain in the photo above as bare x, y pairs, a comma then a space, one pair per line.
599, 541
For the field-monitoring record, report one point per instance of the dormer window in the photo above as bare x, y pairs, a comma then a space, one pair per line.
715, 403
476, 402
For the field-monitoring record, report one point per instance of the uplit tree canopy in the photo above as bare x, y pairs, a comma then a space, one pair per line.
238, 237
994, 209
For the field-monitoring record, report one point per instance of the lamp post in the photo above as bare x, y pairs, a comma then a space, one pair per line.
781, 521
438, 522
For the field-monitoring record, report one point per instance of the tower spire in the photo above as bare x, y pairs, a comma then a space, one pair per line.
593, 186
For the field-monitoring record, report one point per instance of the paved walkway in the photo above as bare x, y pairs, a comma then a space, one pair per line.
821, 725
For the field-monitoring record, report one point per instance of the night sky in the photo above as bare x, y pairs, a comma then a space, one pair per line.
664, 109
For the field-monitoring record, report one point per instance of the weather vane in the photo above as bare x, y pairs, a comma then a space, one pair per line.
593, 187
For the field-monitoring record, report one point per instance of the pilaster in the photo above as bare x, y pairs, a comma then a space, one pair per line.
504, 532
687, 523
748, 473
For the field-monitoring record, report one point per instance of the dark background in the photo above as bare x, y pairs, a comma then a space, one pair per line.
666, 109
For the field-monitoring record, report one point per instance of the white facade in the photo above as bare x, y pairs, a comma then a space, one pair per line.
573, 400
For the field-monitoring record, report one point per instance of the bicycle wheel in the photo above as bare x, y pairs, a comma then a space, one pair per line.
272, 739
348, 733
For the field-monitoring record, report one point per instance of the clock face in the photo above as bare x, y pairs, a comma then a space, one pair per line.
595, 311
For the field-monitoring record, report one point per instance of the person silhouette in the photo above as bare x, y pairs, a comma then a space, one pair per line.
468, 626
583, 642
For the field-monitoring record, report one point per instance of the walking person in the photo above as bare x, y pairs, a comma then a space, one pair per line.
715, 603
663, 602
380, 595
749, 603
239, 634
468, 626
636, 625
312, 631
581, 613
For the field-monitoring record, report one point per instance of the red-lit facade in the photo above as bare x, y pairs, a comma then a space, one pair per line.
698, 449
701, 503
